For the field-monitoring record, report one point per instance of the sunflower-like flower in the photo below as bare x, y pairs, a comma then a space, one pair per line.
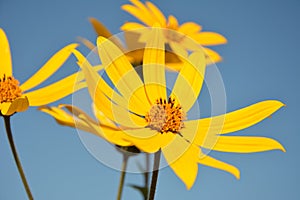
141, 114
174, 33
15, 98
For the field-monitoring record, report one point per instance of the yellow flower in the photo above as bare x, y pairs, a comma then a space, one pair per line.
141, 113
175, 34
15, 98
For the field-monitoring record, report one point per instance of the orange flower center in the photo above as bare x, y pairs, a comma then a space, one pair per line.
9, 89
165, 116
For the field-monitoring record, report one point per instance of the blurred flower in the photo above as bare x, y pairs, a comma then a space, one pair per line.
175, 33
17, 98
141, 114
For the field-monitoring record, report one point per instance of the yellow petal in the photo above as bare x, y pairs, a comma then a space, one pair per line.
99, 28
112, 136
209, 38
182, 158
20, 104
148, 140
154, 66
66, 119
141, 14
243, 118
243, 144
189, 80
101, 93
87, 43
103, 120
55, 91
172, 22
157, 13
212, 56
189, 28
120, 71
131, 26
211, 162
51, 66
5, 57
197, 132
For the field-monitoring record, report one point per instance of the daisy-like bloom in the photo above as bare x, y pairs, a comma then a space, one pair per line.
15, 98
174, 33
141, 114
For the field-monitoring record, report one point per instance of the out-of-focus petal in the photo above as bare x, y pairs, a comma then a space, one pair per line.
209, 38
189, 28
157, 13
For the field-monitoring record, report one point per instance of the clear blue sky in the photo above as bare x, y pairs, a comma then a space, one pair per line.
260, 62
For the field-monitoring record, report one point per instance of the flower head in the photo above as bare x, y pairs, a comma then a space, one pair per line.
142, 114
175, 34
15, 98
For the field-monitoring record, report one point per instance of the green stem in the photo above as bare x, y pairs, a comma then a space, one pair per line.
16, 157
154, 175
122, 178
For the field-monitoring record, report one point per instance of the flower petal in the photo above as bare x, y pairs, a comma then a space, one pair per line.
101, 30
243, 118
148, 140
5, 57
189, 28
209, 38
86, 43
127, 26
154, 66
120, 71
20, 104
189, 80
141, 12
51, 66
182, 158
66, 119
212, 56
243, 144
212, 162
172, 22
157, 13
55, 91
101, 93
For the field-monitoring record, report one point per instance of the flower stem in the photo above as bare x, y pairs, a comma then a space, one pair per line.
154, 175
16, 157
122, 178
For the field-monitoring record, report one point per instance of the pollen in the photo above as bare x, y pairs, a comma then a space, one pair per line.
9, 89
166, 116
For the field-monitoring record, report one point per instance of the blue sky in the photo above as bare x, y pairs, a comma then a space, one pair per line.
260, 62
